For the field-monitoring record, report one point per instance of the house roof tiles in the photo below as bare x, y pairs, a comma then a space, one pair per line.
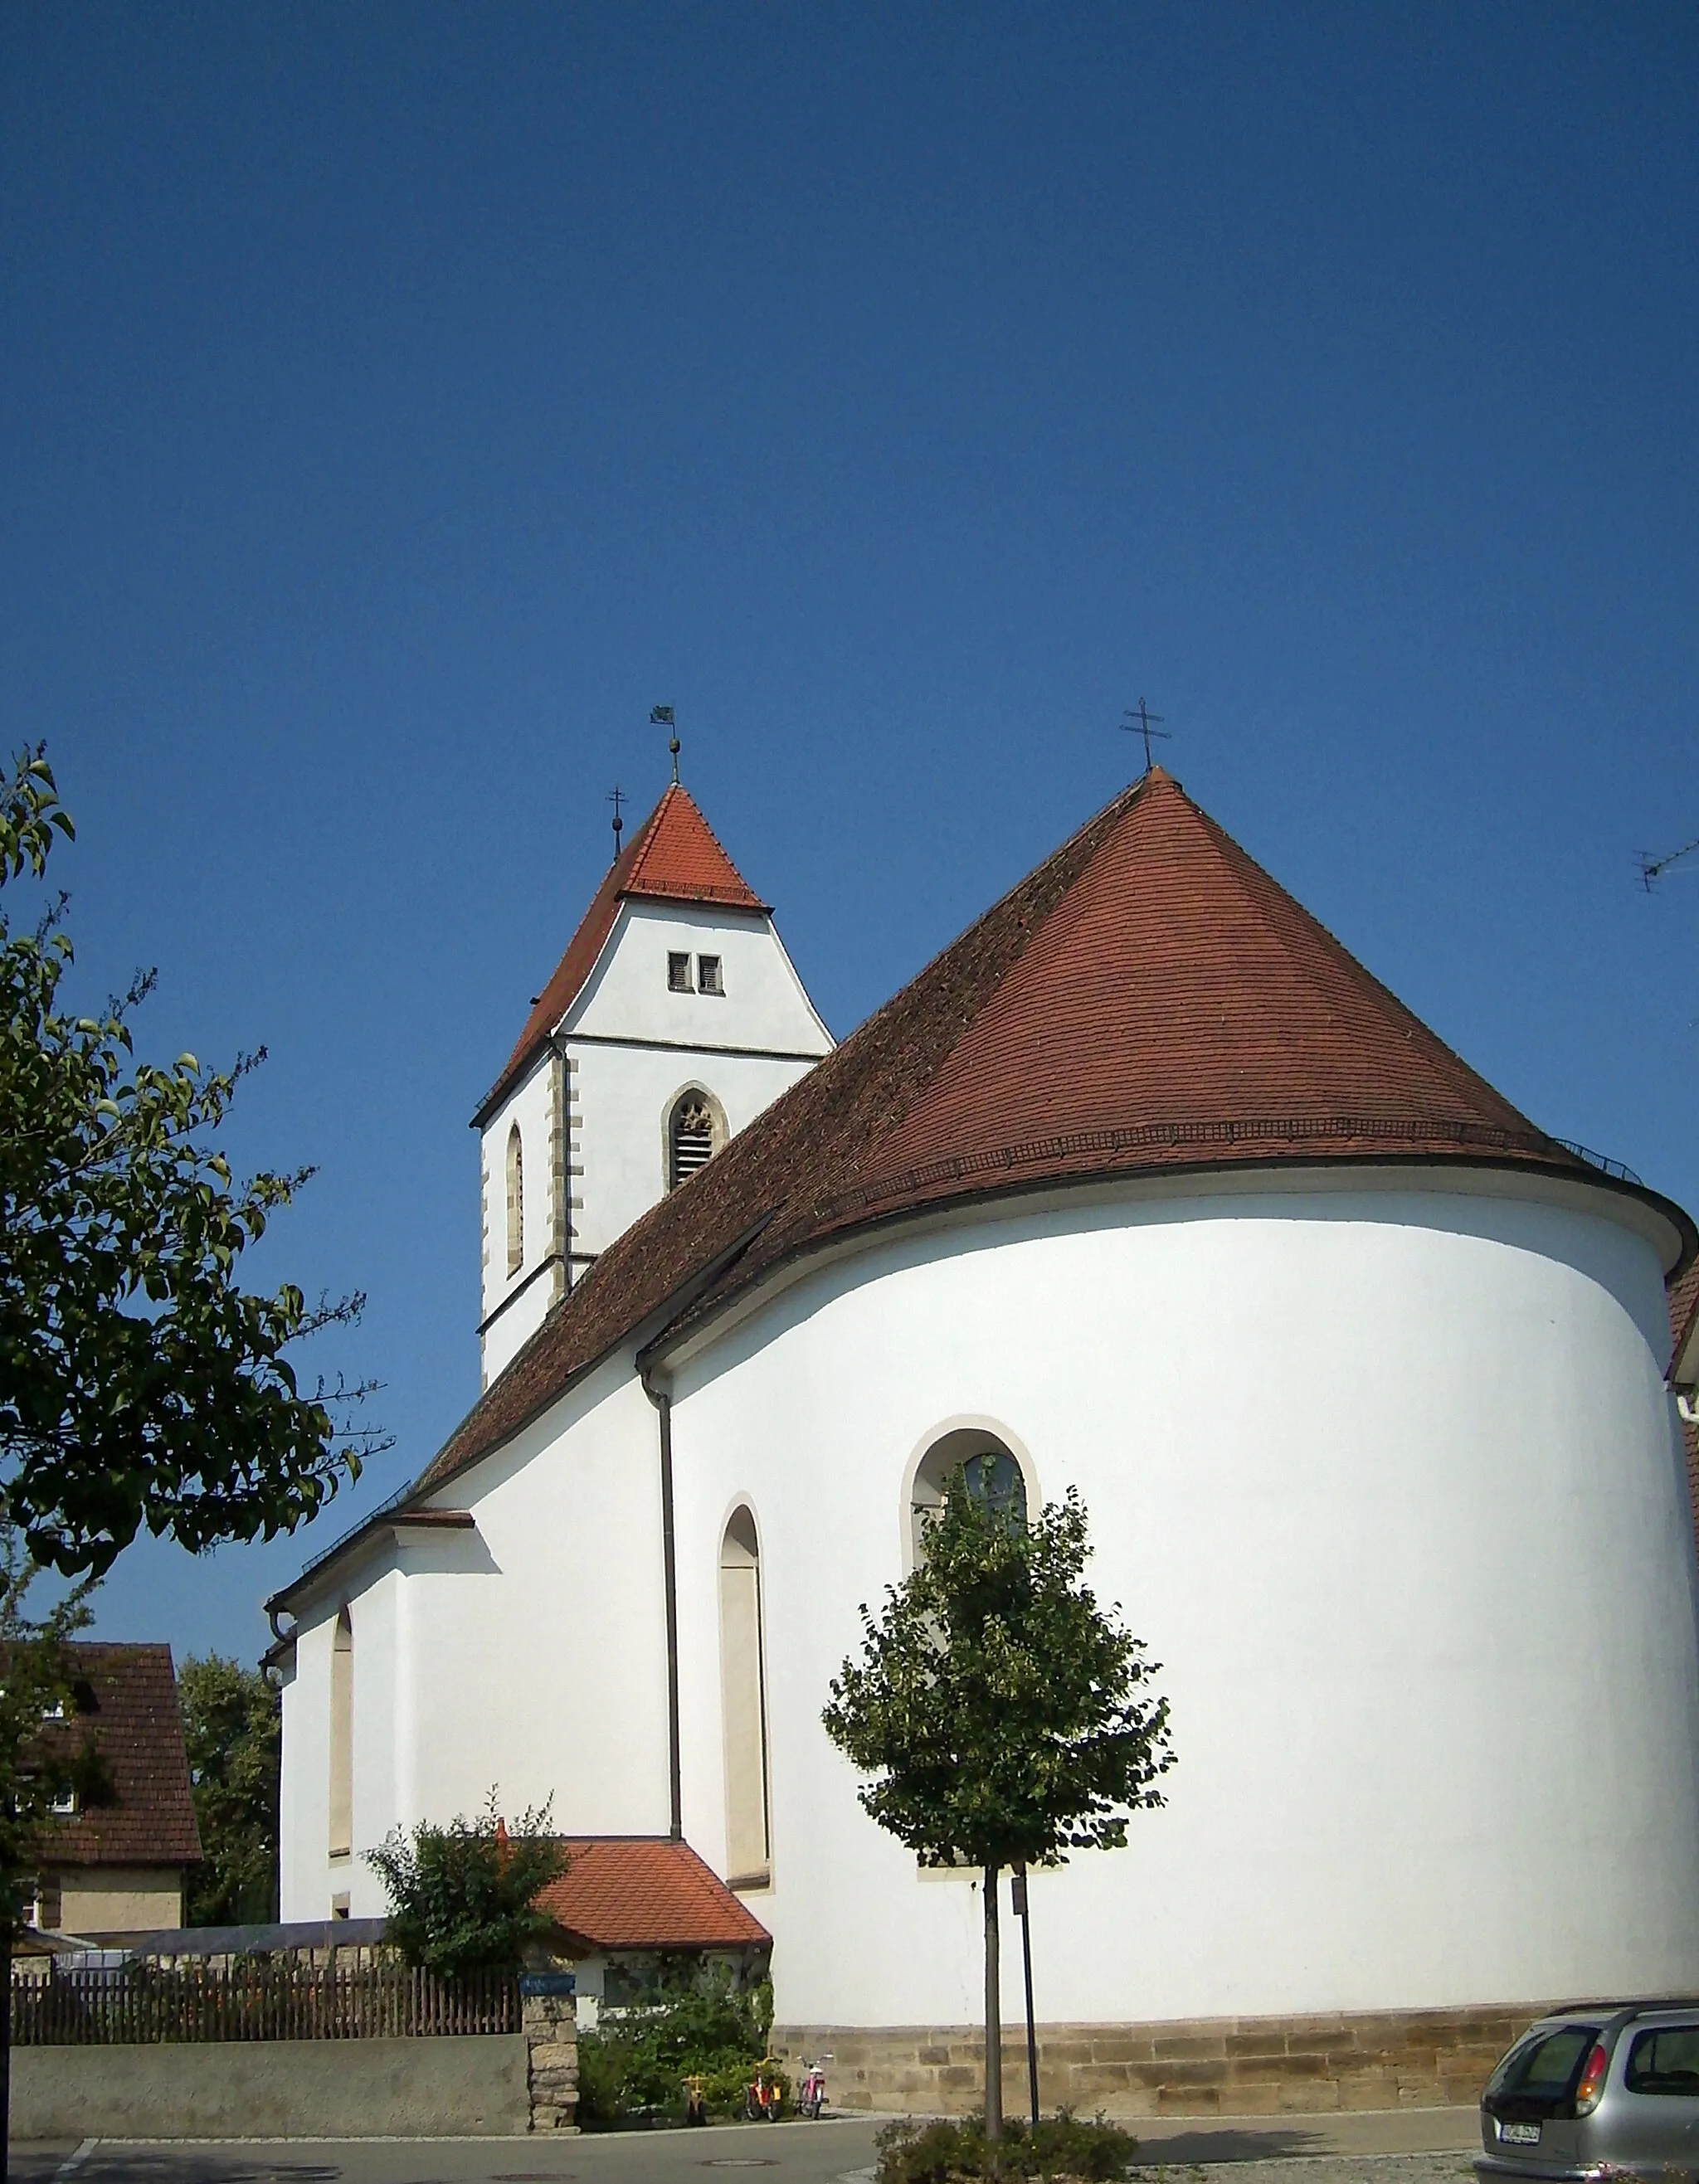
646, 1893
127, 1707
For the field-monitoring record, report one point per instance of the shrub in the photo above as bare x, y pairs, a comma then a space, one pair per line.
462, 1896
947, 2152
698, 2025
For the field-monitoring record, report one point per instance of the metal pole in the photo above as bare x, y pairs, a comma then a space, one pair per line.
1018, 1887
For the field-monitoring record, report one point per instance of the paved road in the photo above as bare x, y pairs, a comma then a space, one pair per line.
1411, 2146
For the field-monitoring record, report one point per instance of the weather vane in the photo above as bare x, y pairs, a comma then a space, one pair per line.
660, 716
617, 796
1144, 723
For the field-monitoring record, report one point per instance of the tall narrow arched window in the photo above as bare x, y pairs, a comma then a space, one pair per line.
515, 1201
995, 1480
743, 1704
695, 1131
342, 1738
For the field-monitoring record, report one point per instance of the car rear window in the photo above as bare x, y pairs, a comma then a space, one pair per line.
1665, 2060
1548, 2066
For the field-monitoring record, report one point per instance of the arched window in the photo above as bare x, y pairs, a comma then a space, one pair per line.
695, 1131
342, 1738
743, 1704
995, 1480
515, 1201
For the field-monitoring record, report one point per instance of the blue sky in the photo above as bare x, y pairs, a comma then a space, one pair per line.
395, 403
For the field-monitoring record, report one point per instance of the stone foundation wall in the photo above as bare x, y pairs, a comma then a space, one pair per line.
1237, 2066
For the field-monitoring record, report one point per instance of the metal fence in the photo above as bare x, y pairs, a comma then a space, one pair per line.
140, 2003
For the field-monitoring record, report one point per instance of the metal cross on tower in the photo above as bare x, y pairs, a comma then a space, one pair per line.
1143, 723
660, 716
617, 796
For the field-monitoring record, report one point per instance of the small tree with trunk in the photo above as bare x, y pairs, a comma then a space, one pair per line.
1005, 1716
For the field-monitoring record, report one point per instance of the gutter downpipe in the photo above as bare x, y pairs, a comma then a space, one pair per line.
669, 1557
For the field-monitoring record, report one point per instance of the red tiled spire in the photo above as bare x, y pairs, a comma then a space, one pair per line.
674, 856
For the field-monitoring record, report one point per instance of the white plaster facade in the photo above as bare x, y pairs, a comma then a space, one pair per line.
592, 1111
1381, 1462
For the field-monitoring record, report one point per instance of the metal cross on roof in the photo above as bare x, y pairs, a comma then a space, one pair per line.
1143, 723
617, 797
660, 716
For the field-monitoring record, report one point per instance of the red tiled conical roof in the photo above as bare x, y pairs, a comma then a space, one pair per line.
674, 856
1147, 1000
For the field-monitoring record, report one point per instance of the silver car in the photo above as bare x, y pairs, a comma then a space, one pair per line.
1596, 2093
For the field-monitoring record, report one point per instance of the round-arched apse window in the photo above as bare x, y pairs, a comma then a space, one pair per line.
995, 1480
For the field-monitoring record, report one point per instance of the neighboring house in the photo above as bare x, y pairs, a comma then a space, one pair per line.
1143, 1187
118, 1858
626, 1903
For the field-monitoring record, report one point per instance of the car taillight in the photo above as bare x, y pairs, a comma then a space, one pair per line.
1592, 2081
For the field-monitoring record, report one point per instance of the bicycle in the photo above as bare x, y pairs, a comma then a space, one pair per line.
810, 2099
763, 2096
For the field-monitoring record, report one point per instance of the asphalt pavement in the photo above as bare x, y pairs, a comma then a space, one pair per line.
1407, 2145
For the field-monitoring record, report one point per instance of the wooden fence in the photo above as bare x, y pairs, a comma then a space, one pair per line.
285, 1999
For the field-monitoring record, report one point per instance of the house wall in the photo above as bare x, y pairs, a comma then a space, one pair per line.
120, 1899
1384, 1470
528, 1654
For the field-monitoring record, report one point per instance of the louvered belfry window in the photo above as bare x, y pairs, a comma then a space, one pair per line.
690, 1140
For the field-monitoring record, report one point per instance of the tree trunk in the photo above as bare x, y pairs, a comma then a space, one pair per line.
994, 2015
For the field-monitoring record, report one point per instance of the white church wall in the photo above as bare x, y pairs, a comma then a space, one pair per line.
311, 1881
1387, 1478
304, 1794
763, 1005
547, 1674
519, 1296
528, 1654
625, 1098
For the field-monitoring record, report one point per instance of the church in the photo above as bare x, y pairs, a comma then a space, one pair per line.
1143, 1186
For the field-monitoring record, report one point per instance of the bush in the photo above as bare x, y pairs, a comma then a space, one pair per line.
462, 1895
947, 2152
697, 2025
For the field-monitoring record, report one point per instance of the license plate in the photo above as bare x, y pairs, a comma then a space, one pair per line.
1520, 2134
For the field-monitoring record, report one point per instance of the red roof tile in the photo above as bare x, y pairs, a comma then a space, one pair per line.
127, 1705
1148, 999
647, 1892
674, 856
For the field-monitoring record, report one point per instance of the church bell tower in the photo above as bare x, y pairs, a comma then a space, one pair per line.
674, 1017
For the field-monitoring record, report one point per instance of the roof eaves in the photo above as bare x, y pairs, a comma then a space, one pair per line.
692, 1324
392, 1519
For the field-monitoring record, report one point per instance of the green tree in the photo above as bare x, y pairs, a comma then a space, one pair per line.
233, 1730
140, 1384
1003, 1714
464, 1895
42, 1753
